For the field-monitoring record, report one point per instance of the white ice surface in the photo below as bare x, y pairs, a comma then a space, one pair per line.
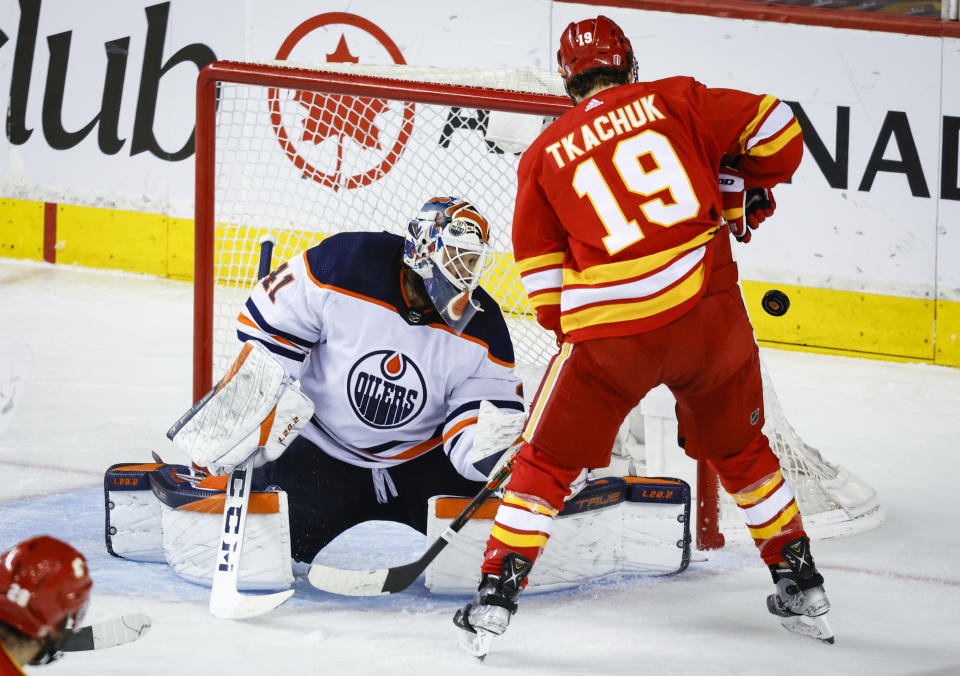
111, 372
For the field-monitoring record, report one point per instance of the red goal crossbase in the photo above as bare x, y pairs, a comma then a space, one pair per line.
300, 151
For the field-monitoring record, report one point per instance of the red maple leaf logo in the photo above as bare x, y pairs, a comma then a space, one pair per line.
337, 115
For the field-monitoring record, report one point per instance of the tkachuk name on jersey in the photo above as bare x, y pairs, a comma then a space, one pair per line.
386, 389
617, 122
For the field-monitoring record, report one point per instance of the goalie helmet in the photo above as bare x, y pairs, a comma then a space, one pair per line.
594, 43
44, 584
447, 244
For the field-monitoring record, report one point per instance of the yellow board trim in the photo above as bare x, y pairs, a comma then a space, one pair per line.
845, 320
21, 229
827, 321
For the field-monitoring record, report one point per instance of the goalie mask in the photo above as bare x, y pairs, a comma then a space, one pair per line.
447, 245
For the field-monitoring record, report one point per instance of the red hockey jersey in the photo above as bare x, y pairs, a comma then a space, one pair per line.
618, 205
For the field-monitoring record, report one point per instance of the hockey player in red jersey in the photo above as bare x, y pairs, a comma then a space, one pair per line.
622, 237
44, 589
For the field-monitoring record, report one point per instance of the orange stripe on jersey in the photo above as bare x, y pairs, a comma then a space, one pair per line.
625, 311
246, 321
412, 452
444, 327
459, 426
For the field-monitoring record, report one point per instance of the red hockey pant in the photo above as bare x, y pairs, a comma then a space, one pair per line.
709, 360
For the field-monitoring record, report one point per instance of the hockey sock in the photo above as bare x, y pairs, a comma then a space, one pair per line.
766, 501
522, 526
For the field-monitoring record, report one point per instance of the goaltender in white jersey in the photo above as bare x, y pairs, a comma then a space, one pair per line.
379, 351
389, 378
396, 345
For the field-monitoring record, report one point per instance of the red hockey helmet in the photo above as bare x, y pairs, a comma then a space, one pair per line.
43, 581
593, 43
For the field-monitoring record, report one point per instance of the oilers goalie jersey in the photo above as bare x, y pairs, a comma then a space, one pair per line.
389, 383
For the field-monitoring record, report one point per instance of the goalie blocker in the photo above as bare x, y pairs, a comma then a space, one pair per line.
614, 525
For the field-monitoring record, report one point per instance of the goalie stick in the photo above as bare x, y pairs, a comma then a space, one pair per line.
225, 601
398, 578
107, 634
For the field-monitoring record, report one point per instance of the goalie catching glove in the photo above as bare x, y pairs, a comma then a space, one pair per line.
254, 407
744, 209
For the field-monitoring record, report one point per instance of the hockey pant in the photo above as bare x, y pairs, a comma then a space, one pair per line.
709, 360
327, 496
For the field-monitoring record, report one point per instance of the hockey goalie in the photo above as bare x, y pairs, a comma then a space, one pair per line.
375, 379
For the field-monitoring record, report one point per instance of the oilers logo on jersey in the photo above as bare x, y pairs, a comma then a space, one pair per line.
386, 389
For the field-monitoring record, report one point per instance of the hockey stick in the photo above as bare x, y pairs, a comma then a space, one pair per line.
225, 601
398, 578
107, 634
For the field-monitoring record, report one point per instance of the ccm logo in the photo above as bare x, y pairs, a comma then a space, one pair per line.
726, 181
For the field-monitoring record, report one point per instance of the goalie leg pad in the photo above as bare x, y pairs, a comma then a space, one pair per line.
133, 529
614, 525
192, 516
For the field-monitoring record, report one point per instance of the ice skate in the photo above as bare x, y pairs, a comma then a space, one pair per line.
800, 600
488, 614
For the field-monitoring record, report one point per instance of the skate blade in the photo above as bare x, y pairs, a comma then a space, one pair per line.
816, 628
476, 645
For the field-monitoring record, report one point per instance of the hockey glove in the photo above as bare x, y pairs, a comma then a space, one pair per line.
744, 209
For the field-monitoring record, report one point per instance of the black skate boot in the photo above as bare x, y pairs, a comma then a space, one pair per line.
488, 614
800, 599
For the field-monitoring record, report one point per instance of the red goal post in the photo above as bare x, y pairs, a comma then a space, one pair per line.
300, 151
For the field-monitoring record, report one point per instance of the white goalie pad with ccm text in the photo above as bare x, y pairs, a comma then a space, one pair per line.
255, 405
192, 516
614, 525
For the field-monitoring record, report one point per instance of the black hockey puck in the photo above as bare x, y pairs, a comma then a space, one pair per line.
775, 303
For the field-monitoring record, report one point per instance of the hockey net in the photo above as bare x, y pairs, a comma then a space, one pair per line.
298, 152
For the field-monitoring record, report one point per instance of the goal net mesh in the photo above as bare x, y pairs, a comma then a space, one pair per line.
301, 165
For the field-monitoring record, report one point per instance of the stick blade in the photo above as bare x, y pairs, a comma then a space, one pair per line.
241, 606
107, 634
348, 582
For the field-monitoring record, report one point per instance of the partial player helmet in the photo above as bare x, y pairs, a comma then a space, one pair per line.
594, 43
43, 583
448, 246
